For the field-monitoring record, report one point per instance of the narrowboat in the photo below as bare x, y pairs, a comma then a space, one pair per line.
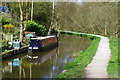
43, 43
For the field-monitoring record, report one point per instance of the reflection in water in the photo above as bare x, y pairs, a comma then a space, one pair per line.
42, 58
46, 64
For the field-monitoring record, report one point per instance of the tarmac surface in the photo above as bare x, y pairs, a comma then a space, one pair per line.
98, 66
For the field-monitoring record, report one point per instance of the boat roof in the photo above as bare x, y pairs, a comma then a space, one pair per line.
40, 38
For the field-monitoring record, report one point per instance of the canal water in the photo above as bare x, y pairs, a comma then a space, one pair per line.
45, 64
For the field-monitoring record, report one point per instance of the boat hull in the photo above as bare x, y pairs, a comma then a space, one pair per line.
45, 48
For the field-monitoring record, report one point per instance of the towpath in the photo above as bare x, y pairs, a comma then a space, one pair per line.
98, 66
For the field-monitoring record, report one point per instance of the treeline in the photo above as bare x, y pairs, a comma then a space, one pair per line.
92, 17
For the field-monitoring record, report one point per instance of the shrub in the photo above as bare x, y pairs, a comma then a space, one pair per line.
32, 26
5, 20
8, 26
16, 35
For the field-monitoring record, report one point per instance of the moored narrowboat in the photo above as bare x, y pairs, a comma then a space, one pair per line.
43, 43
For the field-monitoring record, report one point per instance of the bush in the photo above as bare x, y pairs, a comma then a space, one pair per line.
32, 26
5, 45
26, 41
5, 20
8, 26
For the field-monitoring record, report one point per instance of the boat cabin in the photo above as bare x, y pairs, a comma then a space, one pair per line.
40, 42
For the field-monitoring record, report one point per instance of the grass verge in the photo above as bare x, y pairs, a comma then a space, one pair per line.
113, 63
75, 69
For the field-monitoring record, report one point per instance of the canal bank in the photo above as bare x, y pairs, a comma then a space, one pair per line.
97, 67
14, 52
113, 66
76, 68
38, 44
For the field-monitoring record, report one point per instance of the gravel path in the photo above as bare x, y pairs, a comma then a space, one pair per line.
98, 66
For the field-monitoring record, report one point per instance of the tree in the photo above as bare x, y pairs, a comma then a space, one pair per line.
43, 13
32, 11
96, 18
21, 21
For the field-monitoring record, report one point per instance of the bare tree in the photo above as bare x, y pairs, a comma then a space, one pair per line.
32, 11
96, 18
21, 20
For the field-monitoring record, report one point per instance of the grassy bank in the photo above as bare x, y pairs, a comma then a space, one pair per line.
113, 63
75, 69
